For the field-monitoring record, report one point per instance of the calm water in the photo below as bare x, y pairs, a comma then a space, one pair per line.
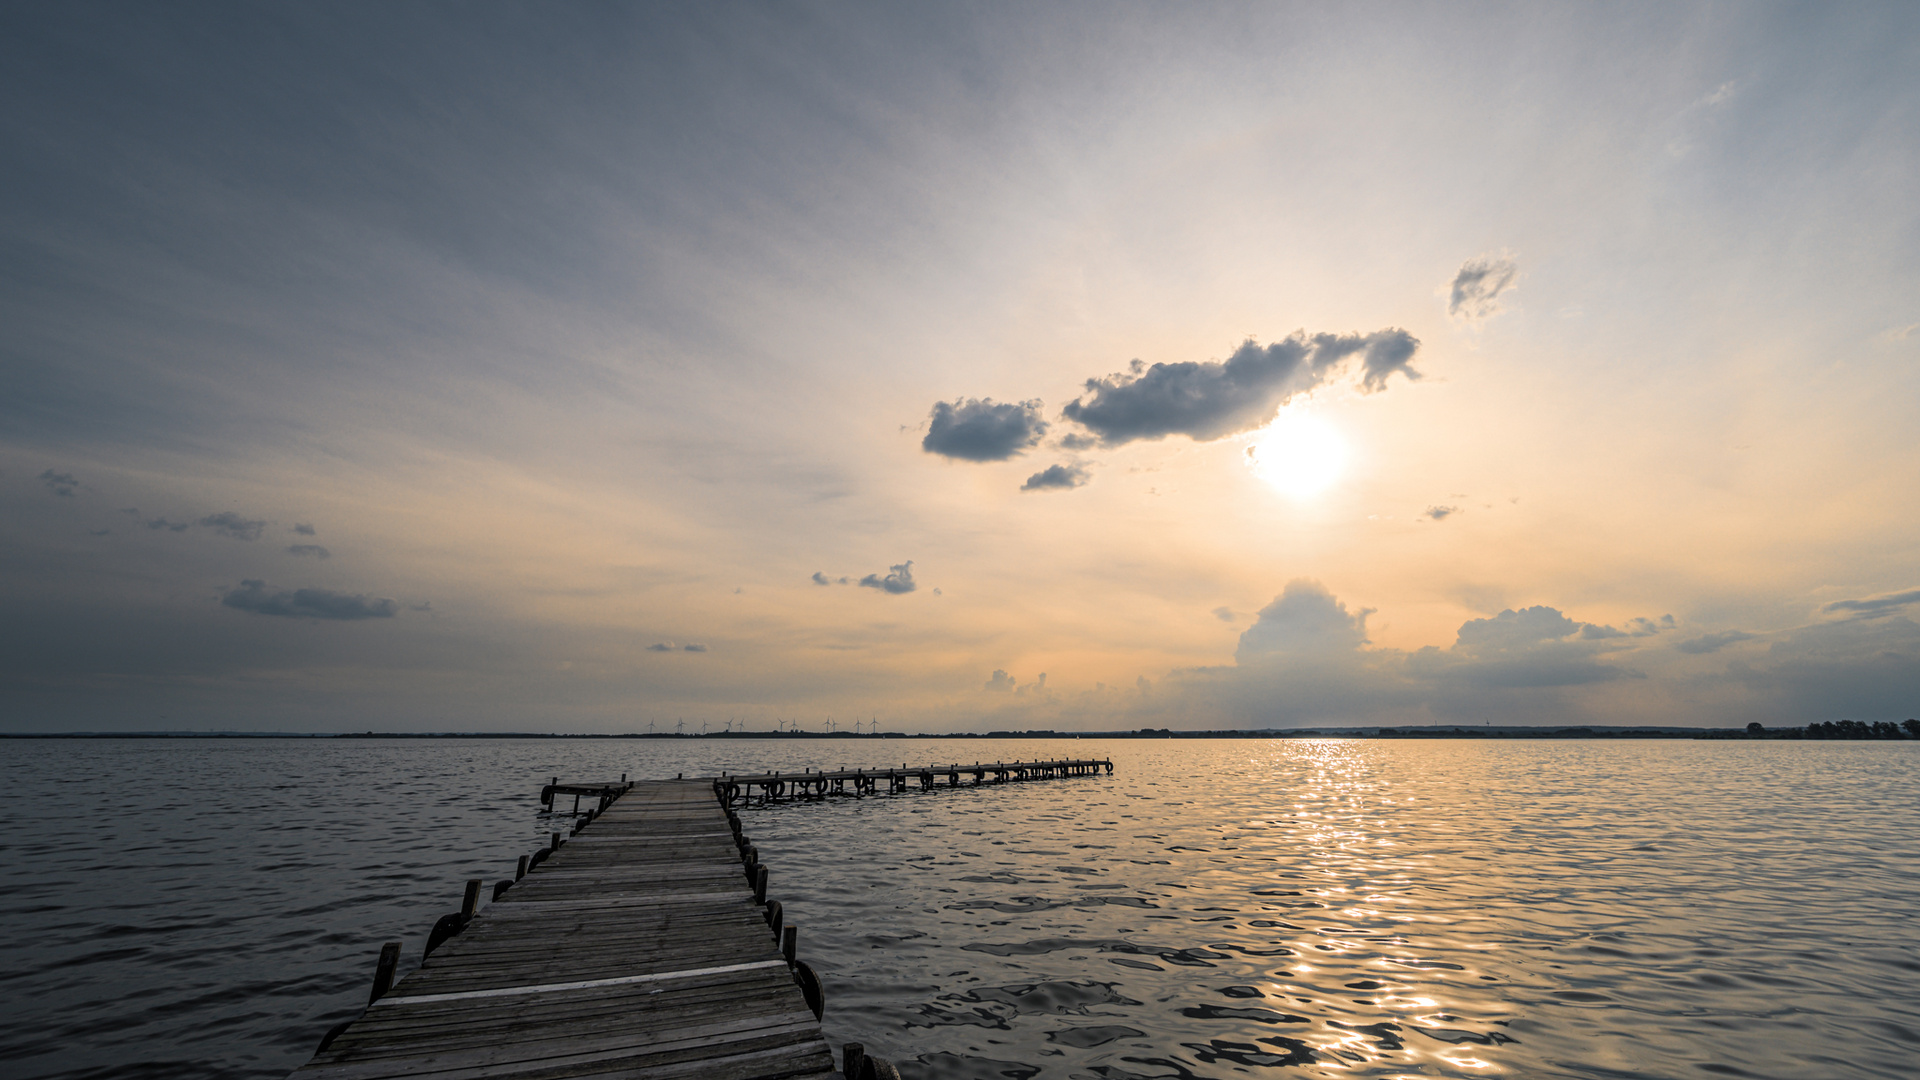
1235, 908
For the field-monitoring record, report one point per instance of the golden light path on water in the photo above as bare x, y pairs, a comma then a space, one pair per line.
1342, 908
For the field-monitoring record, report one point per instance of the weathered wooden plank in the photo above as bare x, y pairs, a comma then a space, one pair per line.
635, 950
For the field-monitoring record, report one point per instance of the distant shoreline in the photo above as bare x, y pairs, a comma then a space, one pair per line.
1844, 730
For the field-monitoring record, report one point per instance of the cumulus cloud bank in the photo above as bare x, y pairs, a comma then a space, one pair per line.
899, 579
1212, 400
1057, 478
980, 430
1477, 288
255, 596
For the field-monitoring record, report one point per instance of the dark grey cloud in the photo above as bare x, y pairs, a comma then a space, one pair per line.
304, 529
1073, 440
170, 526
255, 596
1873, 606
229, 524
1440, 513
821, 579
61, 484
899, 579
1708, 643
693, 648
1214, 399
1476, 290
313, 550
1057, 478
661, 646
979, 430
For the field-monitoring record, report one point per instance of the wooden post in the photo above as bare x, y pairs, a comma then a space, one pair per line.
851, 1055
554, 844
470, 903
790, 943
521, 870
760, 885
383, 974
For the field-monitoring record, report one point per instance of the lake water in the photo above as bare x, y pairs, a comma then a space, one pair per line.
1287, 908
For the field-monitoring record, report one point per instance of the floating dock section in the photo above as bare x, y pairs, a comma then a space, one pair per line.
644, 946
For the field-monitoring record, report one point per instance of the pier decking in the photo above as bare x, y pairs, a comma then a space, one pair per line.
644, 947
635, 950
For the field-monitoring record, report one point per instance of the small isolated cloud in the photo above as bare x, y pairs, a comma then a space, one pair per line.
424, 605
1872, 606
303, 529
170, 526
979, 430
1708, 643
1073, 440
1211, 400
61, 484
820, 578
1001, 683
232, 525
693, 648
1439, 513
313, 550
255, 596
899, 579
661, 646
1057, 478
1224, 614
1477, 288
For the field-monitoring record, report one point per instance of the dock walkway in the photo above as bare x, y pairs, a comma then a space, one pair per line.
636, 949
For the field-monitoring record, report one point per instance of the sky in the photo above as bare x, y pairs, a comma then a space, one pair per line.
957, 367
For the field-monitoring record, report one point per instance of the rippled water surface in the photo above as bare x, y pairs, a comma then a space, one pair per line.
1233, 908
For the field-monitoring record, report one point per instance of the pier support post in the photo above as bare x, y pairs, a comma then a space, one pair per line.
790, 944
470, 903
760, 885
521, 870
383, 973
851, 1055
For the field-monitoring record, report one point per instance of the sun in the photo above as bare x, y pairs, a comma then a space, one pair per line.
1299, 454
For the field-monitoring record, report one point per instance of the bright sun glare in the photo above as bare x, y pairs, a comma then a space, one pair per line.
1299, 454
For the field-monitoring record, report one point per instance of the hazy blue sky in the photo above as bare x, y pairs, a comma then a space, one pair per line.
568, 367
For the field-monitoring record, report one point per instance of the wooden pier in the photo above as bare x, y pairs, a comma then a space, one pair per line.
644, 946
635, 949
820, 784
